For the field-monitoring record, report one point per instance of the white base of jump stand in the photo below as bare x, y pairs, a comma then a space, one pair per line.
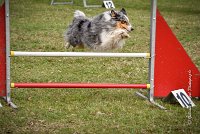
61, 3
85, 4
12, 105
151, 101
9, 102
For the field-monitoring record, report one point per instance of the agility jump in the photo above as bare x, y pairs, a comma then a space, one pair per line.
167, 72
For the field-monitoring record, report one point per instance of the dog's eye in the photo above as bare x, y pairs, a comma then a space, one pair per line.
123, 22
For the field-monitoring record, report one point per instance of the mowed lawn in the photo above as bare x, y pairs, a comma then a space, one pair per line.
38, 26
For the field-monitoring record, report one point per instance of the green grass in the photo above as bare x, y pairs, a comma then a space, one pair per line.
37, 26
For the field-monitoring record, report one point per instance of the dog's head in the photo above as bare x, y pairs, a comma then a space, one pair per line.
121, 19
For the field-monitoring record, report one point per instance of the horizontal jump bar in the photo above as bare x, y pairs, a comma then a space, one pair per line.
77, 85
78, 54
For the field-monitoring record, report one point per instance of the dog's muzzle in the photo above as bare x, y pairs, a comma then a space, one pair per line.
130, 28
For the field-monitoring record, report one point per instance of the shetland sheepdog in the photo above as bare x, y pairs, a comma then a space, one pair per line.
103, 32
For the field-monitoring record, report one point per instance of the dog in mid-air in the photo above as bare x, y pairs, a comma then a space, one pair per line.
106, 31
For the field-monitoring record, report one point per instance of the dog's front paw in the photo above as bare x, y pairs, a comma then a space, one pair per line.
124, 35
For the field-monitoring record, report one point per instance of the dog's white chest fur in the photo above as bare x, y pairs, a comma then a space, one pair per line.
112, 39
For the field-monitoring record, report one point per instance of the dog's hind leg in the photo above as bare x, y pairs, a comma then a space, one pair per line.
67, 45
77, 47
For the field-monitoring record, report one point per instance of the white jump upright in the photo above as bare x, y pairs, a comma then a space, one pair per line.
152, 49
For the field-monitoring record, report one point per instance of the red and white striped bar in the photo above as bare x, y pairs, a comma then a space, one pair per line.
78, 85
78, 54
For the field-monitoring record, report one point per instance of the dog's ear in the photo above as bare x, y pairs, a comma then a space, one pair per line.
113, 13
123, 11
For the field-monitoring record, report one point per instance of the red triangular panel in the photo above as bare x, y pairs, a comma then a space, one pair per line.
173, 67
2, 51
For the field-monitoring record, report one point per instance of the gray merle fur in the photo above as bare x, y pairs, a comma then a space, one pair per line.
92, 33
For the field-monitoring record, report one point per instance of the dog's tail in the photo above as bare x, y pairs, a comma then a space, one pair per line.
78, 14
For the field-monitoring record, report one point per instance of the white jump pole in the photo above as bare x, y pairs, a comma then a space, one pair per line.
153, 54
78, 54
7, 20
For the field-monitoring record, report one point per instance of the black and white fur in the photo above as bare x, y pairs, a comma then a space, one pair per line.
101, 33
